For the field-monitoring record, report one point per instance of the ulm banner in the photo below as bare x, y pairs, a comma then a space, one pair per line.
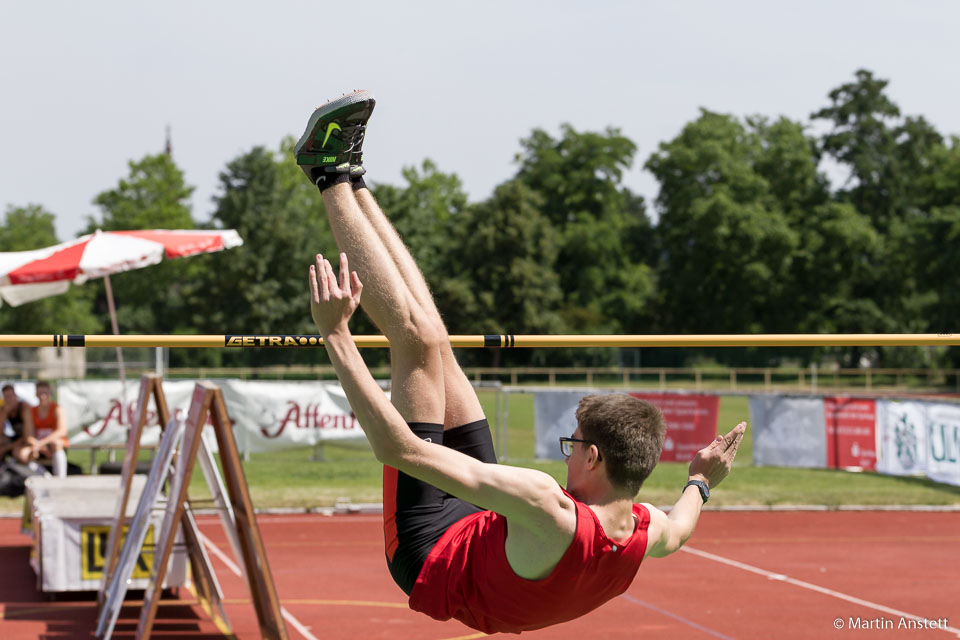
919, 438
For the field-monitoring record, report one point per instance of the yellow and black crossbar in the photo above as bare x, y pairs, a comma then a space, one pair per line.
494, 341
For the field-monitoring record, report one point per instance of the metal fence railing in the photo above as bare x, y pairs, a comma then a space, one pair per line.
798, 379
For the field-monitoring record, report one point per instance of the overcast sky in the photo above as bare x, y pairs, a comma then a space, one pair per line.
87, 86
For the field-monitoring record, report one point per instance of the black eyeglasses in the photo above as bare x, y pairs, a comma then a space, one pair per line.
566, 446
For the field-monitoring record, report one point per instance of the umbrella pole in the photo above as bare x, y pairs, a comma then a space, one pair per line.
116, 332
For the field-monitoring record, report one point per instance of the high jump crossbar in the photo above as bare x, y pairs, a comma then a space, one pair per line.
495, 341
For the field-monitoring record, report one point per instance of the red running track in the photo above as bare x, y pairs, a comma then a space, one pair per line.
744, 575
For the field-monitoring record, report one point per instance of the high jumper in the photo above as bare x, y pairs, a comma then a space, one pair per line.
500, 548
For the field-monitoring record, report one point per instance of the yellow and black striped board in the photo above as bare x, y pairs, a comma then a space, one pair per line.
494, 341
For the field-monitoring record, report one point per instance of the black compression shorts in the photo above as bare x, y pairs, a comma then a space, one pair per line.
416, 514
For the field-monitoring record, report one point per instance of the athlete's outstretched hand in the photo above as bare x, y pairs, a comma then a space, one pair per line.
332, 303
713, 462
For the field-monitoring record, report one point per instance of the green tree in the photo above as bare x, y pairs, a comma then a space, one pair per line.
422, 211
891, 161
940, 185
726, 241
939, 265
605, 237
863, 139
788, 159
27, 228
260, 287
835, 256
154, 195
936, 263
31, 227
837, 248
501, 268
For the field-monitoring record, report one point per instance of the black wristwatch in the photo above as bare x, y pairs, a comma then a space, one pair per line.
702, 486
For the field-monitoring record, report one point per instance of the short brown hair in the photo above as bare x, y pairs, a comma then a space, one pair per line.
629, 433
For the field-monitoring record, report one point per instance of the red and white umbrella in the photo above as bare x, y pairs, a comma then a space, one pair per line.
30, 275
49, 271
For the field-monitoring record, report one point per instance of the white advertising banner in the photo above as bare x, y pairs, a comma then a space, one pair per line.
97, 413
788, 431
267, 416
279, 415
919, 438
554, 416
943, 440
901, 438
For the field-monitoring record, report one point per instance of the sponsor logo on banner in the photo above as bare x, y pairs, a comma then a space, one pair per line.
902, 437
273, 341
691, 422
306, 415
851, 432
93, 549
117, 416
905, 438
944, 442
943, 436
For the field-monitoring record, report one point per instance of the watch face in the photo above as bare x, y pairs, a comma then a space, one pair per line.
702, 487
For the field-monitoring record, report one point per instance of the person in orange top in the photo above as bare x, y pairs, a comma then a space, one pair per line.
44, 432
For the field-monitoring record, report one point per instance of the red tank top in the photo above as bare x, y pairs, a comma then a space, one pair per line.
44, 427
467, 576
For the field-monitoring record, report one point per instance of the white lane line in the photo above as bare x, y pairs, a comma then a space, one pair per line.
670, 614
813, 587
225, 559
297, 625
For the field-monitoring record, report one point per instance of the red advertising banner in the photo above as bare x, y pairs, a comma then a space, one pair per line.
851, 425
691, 422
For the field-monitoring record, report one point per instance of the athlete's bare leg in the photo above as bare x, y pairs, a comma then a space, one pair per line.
461, 404
416, 365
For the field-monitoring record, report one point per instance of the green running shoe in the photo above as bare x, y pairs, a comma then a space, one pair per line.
333, 140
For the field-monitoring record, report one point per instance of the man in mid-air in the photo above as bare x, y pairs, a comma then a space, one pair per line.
499, 548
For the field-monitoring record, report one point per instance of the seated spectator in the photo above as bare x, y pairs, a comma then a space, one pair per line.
11, 417
44, 433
